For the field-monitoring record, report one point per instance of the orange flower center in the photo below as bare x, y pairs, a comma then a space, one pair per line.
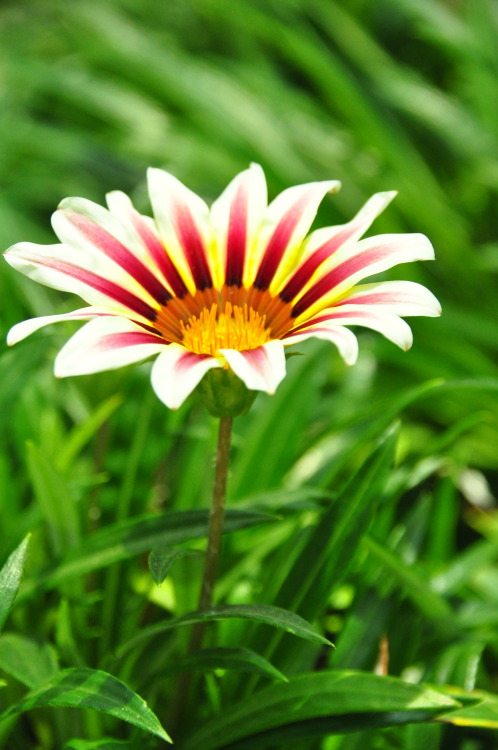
228, 318
234, 327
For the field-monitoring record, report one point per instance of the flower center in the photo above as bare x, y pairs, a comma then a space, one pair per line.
234, 327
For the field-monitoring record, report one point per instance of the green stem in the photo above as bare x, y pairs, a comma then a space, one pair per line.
215, 530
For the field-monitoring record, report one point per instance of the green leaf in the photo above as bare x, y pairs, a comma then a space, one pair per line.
336, 701
135, 536
82, 433
162, 558
105, 743
432, 605
88, 688
10, 579
240, 659
484, 712
55, 501
310, 566
29, 662
276, 616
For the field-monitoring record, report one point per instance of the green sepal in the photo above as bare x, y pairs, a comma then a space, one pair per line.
224, 394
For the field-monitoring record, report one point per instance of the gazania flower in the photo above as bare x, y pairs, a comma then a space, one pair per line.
226, 287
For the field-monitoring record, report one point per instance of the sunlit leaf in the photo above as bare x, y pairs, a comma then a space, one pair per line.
88, 688
10, 579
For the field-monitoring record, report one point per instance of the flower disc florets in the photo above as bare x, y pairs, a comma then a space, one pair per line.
222, 288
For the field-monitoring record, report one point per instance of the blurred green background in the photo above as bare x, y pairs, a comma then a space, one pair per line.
392, 94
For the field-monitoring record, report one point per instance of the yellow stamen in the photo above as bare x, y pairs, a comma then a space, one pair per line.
235, 327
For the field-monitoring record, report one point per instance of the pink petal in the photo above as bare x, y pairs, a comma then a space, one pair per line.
400, 297
184, 224
344, 339
106, 344
84, 225
364, 258
177, 371
389, 325
24, 329
55, 266
261, 369
236, 216
145, 233
323, 243
285, 225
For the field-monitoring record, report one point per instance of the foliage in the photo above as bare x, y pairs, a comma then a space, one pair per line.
361, 501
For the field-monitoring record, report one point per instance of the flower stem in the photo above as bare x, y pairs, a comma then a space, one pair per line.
215, 529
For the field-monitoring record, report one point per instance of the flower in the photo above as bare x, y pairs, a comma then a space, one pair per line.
227, 287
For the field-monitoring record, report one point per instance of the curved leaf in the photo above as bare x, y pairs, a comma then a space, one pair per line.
135, 536
240, 659
29, 662
332, 701
275, 616
89, 688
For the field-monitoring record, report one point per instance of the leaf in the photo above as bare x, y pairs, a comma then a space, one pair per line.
82, 433
55, 501
135, 536
162, 558
484, 712
105, 743
432, 605
89, 688
276, 616
10, 579
310, 567
29, 662
335, 701
240, 659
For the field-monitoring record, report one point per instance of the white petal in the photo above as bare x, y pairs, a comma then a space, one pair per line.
352, 263
344, 339
177, 371
354, 229
184, 223
106, 344
91, 230
284, 227
97, 281
21, 330
261, 369
145, 241
393, 328
236, 216
400, 297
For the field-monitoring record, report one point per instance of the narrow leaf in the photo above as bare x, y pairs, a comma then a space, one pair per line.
135, 536
55, 501
429, 602
10, 579
82, 433
483, 712
239, 659
276, 616
105, 743
29, 662
88, 688
331, 697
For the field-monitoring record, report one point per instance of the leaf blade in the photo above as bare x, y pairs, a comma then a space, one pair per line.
10, 579
89, 688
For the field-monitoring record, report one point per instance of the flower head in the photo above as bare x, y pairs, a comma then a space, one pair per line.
227, 287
